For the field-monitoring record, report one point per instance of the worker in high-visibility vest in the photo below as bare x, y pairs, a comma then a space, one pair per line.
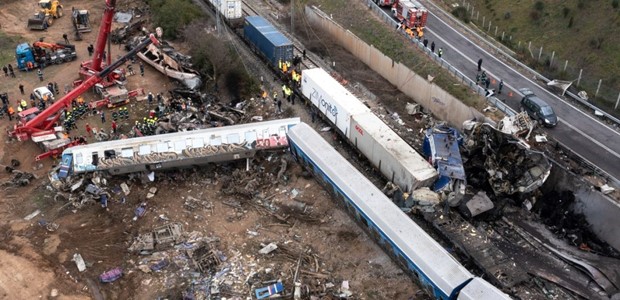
11, 113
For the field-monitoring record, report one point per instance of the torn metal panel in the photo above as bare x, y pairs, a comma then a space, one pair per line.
441, 147
478, 204
169, 62
512, 167
517, 125
168, 233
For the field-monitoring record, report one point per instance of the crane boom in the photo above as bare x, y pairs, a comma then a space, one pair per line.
41, 123
102, 37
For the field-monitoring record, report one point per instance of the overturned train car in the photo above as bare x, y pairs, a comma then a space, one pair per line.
176, 150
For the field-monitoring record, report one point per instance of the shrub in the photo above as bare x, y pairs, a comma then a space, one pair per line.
173, 15
615, 3
570, 22
565, 11
535, 15
539, 6
461, 13
507, 15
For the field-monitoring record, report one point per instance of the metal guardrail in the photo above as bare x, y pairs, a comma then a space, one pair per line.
457, 74
522, 65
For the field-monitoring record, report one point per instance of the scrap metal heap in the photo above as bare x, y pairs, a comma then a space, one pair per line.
508, 163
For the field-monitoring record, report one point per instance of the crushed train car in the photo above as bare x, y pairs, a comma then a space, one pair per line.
511, 166
169, 62
441, 147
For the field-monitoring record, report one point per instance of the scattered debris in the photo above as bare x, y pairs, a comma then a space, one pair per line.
151, 193
111, 275
79, 262
268, 249
478, 204
32, 215
606, 189
268, 291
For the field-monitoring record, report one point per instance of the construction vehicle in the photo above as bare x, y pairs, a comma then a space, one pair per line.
49, 10
412, 15
43, 54
81, 20
43, 123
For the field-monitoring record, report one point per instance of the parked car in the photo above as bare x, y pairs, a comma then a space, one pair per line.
43, 93
538, 109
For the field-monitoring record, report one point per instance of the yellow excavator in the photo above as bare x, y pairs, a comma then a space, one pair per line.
49, 10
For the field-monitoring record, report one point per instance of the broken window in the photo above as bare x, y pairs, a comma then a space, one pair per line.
233, 138
216, 141
144, 150
162, 147
250, 137
79, 159
109, 154
198, 143
95, 158
179, 145
127, 152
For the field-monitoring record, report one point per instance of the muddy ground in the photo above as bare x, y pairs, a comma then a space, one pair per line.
36, 261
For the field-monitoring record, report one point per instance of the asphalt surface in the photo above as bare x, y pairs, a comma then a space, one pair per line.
580, 131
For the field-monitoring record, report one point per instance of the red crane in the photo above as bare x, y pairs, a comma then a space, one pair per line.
90, 67
46, 119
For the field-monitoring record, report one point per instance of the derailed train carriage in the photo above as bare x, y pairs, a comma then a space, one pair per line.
409, 245
176, 150
383, 147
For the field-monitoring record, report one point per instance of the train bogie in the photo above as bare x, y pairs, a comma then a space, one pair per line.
265, 39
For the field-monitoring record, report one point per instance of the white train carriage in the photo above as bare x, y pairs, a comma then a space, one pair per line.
177, 150
385, 149
331, 99
230, 9
433, 267
390, 154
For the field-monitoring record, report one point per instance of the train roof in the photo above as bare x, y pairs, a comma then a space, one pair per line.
444, 148
334, 90
269, 31
401, 230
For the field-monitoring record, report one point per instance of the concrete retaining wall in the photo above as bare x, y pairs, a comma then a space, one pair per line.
443, 105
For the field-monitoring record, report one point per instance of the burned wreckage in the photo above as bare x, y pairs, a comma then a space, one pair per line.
168, 61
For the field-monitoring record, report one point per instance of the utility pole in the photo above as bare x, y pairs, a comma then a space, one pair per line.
292, 17
218, 22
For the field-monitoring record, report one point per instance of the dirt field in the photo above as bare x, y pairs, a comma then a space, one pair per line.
36, 259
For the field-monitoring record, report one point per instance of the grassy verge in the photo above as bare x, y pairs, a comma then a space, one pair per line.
7, 48
357, 19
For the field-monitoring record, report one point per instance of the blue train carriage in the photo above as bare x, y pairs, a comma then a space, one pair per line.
412, 248
176, 150
265, 39
442, 148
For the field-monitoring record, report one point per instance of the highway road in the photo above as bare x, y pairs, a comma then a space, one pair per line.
580, 131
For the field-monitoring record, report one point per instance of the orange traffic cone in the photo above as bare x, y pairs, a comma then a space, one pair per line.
509, 94
493, 81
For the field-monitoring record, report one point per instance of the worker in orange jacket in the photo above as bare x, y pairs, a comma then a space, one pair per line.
11, 113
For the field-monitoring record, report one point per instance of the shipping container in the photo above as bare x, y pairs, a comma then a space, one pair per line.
265, 39
390, 154
230, 9
331, 99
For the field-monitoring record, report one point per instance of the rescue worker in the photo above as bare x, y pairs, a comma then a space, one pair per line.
89, 130
279, 106
6, 71
11, 71
24, 104
433, 46
11, 112
280, 64
150, 98
283, 90
141, 69
501, 85
284, 68
33, 103
40, 74
114, 127
440, 52
21, 88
